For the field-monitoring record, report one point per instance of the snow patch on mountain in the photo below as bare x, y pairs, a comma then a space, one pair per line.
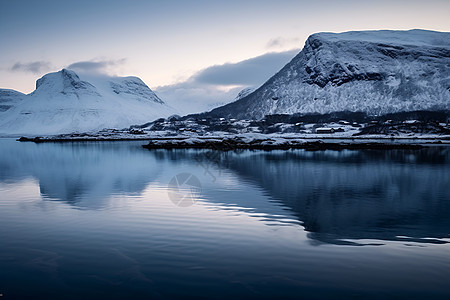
135, 87
9, 98
244, 93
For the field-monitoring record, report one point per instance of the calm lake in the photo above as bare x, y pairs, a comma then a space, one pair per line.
111, 220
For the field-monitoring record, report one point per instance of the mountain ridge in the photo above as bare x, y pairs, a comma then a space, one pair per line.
375, 72
65, 102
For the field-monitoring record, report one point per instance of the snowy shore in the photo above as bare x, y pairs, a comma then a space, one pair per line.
226, 141
240, 134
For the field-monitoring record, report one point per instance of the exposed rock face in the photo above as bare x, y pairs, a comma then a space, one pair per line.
244, 93
376, 72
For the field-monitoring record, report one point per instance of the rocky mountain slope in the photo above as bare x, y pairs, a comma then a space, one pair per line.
376, 72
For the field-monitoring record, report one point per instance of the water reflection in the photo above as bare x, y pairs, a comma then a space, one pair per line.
339, 197
82, 174
359, 195
349, 195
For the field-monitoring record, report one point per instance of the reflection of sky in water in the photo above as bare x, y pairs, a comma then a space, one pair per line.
98, 216
334, 194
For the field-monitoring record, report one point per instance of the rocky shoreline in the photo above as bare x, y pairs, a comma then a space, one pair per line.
256, 142
227, 144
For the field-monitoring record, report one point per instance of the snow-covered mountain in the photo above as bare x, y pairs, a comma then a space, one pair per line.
9, 98
376, 72
65, 102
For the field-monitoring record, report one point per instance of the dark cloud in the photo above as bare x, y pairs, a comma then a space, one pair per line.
218, 85
35, 67
249, 72
95, 66
281, 42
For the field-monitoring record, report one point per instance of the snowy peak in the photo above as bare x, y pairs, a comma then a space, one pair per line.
67, 82
414, 37
375, 72
66, 102
133, 86
337, 58
64, 82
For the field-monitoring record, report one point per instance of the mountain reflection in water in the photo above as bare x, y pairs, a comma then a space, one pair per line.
336, 195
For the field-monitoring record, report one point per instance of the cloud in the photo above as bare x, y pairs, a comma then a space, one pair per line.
281, 42
101, 66
249, 72
35, 67
217, 85
189, 98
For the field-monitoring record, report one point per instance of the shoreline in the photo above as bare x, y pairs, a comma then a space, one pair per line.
228, 145
261, 136
262, 142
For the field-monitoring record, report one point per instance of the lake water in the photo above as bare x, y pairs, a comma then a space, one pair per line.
111, 220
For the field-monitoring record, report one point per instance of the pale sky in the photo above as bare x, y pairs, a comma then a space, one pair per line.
170, 42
